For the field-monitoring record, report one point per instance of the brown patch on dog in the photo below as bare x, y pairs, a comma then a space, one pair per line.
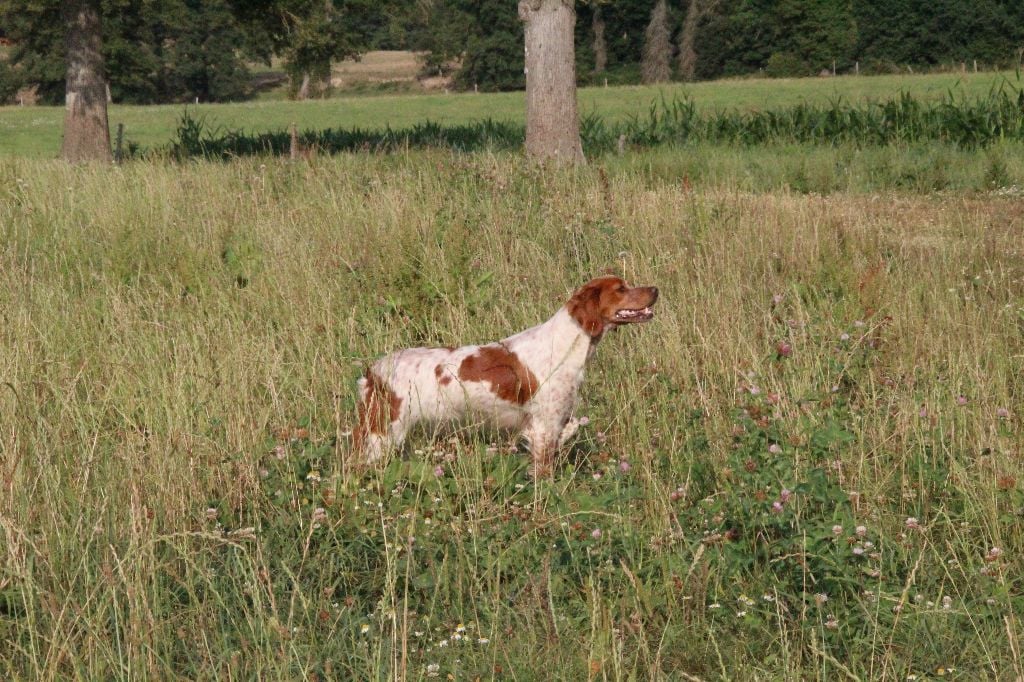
379, 407
585, 308
442, 378
509, 378
595, 304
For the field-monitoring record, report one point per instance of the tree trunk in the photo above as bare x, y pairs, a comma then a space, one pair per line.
687, 38
86, 131
303, 93
695, 11
656, 66
600, 45
552, 120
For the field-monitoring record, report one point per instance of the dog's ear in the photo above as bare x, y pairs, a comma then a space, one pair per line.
585, 308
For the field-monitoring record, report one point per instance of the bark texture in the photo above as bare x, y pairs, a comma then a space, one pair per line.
656, 66
303, 92
600, 45
86, 130
695, 11
552, 119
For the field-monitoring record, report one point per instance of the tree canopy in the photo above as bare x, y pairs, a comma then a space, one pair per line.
178, 50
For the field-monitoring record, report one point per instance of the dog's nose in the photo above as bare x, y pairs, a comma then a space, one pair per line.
654, 294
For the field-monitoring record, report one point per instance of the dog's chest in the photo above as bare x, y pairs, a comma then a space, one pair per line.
556, 353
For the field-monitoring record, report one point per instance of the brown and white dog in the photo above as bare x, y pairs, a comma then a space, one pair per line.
527, 382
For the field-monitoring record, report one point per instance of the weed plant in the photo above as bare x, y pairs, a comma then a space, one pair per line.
904, 120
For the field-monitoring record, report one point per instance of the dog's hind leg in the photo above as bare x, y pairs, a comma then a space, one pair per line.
381, 427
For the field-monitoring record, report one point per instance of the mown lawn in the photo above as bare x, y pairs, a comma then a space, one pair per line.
36, 131
807, 466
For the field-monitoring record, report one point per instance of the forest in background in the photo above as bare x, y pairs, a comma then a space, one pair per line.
160, 51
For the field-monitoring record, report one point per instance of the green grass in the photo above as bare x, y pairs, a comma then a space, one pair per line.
903, 123
35, 131
179, 349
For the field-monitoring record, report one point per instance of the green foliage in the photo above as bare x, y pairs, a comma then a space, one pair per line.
35, 30
163, 51
786, 65
626, 22
180, 50
944, 31
205, 60
744, 36
195, 137
486, 37
177, 50
442, 37
308, 34
820, 32
777, 520
904, 120
9, 81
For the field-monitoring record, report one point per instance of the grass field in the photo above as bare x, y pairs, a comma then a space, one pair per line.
808, 466
35, 131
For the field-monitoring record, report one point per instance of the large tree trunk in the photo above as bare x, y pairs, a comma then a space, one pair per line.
695, 11
86, 131
687, 38
303, 92
600, 45
656, 66
552, 121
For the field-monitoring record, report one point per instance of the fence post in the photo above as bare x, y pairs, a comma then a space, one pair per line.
117, 146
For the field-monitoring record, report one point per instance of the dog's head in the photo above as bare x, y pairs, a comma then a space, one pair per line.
609, 302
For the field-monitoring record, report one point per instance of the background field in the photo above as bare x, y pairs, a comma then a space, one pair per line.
35, 131
841, 334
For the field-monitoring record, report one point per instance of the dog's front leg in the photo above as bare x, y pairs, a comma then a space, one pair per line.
543, 440
569, 430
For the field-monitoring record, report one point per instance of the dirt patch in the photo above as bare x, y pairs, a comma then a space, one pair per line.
385, 67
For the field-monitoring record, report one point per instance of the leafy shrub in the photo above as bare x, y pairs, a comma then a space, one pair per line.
997, 173
879, 67
786, 65
787, 528
9, 82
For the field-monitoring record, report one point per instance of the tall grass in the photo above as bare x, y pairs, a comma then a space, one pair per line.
961, 121
956, 120
179, 346
36, 131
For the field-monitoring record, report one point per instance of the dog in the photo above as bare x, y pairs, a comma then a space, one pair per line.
526, 383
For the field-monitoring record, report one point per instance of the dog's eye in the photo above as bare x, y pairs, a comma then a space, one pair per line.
621, 288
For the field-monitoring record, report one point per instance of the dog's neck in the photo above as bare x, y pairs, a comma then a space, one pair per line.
557, 344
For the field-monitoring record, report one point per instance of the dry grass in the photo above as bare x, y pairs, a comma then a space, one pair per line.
164, 326
380, 66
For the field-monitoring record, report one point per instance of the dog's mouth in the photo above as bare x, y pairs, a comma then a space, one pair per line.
633, 315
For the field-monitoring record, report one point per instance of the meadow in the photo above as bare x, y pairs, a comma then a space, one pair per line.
807, 466
35, 131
